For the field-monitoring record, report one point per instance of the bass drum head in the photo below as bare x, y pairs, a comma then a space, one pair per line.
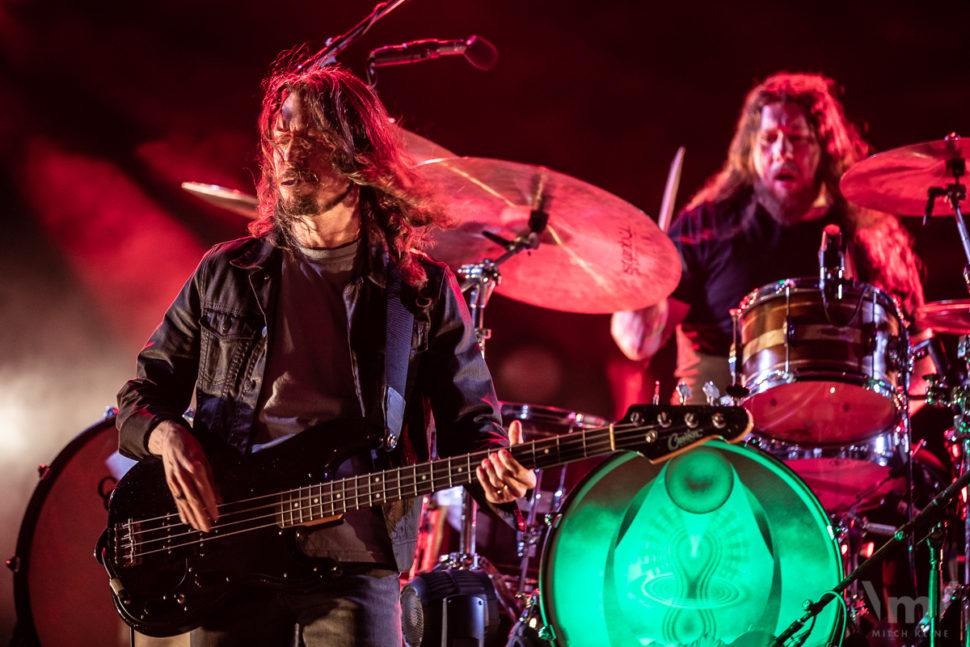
61, 591
719, 545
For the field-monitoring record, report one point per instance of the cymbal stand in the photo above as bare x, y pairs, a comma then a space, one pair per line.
480, 279
954, 194
958, 399
529, 534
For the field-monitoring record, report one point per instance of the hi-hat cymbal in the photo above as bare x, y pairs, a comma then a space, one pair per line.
951, 317
231, 199
897, 181
598, 253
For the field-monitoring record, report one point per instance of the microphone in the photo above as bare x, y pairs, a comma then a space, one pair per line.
476, 50
831, 262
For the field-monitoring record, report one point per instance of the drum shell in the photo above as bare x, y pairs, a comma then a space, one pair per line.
855, 477
575, 570
822, 372
61, 592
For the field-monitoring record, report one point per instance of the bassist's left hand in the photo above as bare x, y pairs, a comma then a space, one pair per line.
502, 477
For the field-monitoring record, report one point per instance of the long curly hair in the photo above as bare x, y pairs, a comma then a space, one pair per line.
396, 205
886, 245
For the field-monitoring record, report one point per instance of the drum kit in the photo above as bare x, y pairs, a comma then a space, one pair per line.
622, 556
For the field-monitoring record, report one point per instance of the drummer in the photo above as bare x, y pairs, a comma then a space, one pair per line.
760, 219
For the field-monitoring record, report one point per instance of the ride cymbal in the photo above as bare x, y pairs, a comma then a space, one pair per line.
597, 254
898, 181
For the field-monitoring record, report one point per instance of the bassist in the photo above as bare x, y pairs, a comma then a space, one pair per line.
287, 329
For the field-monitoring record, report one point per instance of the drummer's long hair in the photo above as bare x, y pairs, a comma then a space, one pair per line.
886, 245
396, 206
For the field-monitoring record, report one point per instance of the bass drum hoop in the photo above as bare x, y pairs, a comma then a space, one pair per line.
26, 630
571, 628
95, 620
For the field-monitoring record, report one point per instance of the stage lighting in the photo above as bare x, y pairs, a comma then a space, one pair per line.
450, 608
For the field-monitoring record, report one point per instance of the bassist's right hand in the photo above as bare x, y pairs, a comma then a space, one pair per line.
187, 473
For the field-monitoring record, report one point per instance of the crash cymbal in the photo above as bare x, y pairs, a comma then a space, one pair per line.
897, 181
419, 148
422, 149
598, 253
946, 316
231, 199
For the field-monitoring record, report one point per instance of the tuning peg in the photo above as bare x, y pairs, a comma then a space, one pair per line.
683, 392
712, 393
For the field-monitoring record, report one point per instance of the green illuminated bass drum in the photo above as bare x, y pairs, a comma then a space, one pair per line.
720, 545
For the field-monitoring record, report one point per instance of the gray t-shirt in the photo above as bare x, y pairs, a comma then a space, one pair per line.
309, 380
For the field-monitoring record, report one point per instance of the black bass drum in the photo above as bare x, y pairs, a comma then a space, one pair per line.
720, 545
61, 592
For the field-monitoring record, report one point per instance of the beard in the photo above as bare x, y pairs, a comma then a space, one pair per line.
300, 205
309, 203
787, 208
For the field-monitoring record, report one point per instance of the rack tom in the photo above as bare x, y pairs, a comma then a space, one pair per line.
821, 369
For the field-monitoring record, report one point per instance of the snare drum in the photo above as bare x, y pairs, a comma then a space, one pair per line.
721, 545
822, 372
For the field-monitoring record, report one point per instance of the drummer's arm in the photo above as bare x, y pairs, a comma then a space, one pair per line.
641, 333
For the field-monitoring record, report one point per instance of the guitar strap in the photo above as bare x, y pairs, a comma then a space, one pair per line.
397, 350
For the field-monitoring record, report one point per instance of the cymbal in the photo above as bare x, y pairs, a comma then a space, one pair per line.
231, 199
897, 181
419, 148
597, 255
951, 317
422, 149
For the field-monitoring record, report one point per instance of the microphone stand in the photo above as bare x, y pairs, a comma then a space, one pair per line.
335, 45
929, 518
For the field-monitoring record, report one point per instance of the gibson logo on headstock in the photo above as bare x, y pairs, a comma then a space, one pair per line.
677, 441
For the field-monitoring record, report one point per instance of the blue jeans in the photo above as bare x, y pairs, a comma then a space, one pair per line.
352, 611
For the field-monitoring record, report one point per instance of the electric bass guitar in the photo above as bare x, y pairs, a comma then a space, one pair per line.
166, 577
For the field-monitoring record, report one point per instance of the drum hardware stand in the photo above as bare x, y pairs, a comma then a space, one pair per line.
480, 279
736, 391
954, 194
958, 399
929, 518
528, 536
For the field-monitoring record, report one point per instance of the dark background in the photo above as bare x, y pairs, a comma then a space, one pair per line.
108, 106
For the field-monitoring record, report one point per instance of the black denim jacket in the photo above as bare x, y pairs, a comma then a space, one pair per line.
214, 339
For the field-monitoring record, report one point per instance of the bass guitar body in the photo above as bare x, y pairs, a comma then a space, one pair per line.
167, 577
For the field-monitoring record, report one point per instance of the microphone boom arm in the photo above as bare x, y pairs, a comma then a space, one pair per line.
335, 45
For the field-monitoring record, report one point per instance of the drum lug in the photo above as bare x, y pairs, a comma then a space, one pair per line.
14, 564
790, 331
869, 341
897, 354
553, 520
546, 633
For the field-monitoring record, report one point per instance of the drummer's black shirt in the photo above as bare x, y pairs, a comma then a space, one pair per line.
732, 247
